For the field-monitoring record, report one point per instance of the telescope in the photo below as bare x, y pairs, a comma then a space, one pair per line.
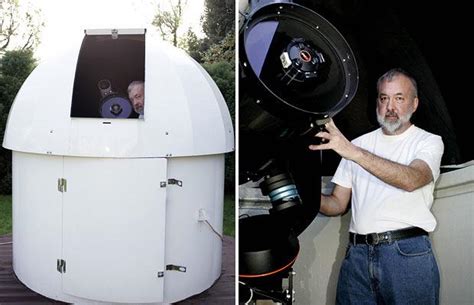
296, 71
112, 104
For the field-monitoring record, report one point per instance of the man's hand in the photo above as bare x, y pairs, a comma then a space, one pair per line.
335, 140
406, 177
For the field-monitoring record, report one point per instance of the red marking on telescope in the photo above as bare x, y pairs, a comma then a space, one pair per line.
305, 56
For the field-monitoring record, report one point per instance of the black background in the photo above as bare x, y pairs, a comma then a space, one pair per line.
428, 39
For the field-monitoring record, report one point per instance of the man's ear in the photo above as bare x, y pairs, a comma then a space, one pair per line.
415, 104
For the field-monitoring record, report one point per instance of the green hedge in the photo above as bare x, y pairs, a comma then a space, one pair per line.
15, 66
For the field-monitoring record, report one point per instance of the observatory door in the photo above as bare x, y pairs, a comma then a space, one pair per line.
114, 229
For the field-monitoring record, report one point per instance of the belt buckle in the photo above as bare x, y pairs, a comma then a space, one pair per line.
374, 242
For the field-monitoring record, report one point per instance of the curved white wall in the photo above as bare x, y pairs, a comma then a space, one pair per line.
117, 235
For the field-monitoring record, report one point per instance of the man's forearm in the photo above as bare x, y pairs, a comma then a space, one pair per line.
330, 206
406, 177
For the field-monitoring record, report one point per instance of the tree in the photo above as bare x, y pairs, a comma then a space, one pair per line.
224, 50
218, 19
20, 29
15, 66
194, 46
169, 21
222, 72
218, 56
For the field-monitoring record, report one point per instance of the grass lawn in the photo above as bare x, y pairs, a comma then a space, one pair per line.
229, 215
6, 215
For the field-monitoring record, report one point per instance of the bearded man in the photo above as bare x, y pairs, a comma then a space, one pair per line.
388, 175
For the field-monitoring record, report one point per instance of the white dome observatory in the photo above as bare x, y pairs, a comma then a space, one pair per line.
109, 207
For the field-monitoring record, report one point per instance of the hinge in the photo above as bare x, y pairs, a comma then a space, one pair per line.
171, 181
61, 265
62, 185
176, 268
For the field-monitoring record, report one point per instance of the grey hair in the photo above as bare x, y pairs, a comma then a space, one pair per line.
133, 84
392, 73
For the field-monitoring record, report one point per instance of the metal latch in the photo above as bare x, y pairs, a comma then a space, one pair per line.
171, 181
176, 268
62, 185
114, 33
61, 265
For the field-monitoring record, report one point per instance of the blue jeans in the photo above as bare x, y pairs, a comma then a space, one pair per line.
398, 272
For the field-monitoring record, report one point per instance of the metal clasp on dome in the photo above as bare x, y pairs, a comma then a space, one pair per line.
171, 181
176, 268
176, 182
114, 34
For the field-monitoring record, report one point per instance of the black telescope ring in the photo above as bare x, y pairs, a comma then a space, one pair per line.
321, 31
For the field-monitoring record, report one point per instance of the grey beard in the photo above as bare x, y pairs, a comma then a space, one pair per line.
393, 127
139, 110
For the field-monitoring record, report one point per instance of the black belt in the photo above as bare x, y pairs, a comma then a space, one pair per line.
385, 237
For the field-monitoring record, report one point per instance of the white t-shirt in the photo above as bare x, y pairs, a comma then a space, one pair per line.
379, 207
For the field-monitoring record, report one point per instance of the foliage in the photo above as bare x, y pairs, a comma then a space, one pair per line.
169, 21
19, 29
194, 46
229, 215
218, 19
222, 73
218, 59
5, 215
15, 66
221, 51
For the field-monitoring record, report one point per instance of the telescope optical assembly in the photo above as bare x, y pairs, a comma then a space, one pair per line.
296, 72
112, 104
300, 61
